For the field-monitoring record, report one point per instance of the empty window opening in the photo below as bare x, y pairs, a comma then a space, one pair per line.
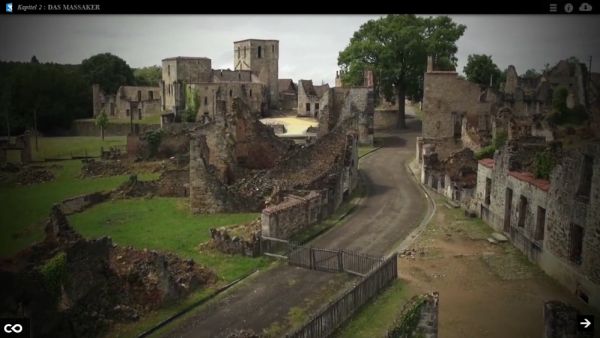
273, 49
206, 100
585, 180
139, 113
576, 243
457, 125
230, 92
127, 112
169, 70
139, 95
250, 92
507, 208
522, 211
150, 95
488, 190
540, 224
259, 52
316, 106
308, 107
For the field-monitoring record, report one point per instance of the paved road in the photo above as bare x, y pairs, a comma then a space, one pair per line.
393, 207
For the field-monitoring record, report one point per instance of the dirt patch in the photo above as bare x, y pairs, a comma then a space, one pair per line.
93, 168
486, 290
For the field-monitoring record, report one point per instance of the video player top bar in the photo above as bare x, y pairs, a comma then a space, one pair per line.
563, 7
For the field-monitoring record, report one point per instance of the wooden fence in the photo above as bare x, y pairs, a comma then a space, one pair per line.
338, 311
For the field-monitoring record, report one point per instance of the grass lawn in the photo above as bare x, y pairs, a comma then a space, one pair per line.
166, 224
375, 318
65, 147
23, 209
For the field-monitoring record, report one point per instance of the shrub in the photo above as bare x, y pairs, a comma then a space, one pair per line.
543, 164
154, 138
54, 272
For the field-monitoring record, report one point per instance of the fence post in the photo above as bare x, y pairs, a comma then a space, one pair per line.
341, 260
312, 258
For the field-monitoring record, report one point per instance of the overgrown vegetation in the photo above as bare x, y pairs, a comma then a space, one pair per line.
497, 142
544, 163
154, 138
54, 272
102, 122
191, 105
563, 115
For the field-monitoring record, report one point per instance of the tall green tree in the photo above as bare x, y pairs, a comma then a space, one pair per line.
481, 69
396, 47
148, 76
107, 70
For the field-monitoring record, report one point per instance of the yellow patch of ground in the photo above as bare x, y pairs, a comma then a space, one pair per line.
293, 125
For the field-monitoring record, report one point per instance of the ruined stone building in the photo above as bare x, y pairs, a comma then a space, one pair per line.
190, 82
288, 96
128, 102
553, 220
311, 99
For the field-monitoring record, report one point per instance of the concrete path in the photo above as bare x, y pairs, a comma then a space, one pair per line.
394, 206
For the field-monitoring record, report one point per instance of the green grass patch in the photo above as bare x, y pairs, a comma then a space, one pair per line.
23, 209
166, 224
149, 320
375, 318
363, 150
66, 147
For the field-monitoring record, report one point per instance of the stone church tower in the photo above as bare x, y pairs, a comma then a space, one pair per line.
262, 58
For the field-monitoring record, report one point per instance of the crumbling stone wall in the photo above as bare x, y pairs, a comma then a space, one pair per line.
447, 99
22, 144
292, 215
350, 103
560, 321
556, 203
243, 239
174, 183
73, 287
79, 203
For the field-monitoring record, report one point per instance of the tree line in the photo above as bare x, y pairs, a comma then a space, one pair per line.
51, 95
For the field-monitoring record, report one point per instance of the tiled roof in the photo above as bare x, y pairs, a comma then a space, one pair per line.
531, 179
487, 162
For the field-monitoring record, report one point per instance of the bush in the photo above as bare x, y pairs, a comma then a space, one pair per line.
497, 143
54, 272
154, 138
543, 165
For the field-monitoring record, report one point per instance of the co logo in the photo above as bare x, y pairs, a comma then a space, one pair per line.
10, 328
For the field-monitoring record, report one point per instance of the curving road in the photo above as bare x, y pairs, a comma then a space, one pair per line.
393, 207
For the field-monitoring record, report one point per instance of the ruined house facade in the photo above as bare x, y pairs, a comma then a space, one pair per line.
131, 102
555, 222
311, 99
288, 95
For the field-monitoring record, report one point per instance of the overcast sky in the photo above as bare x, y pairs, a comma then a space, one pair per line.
309, 44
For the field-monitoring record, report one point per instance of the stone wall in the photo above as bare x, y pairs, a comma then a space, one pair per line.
80, 203
292, 215
174, 183
554, 214
88, 127
418, 318
560, 321
385, 119
350, 103
21, 144
446, 100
